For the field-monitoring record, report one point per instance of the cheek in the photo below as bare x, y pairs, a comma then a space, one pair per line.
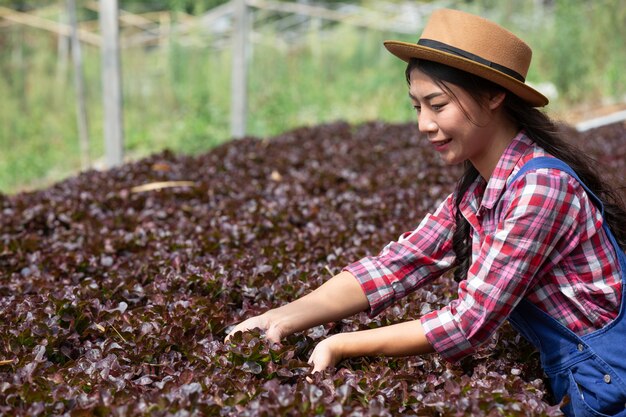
454, 123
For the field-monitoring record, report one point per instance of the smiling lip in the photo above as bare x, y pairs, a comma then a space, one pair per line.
440, 143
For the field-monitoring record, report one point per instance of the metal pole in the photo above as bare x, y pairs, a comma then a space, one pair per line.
111, 83
238, 110
79, 85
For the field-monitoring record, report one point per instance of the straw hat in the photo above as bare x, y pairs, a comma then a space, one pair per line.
476, 45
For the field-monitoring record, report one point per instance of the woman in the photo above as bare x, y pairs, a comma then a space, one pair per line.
528, 240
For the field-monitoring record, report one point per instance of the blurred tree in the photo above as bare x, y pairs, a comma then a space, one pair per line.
194, 7
188, 6
569, 72
25, 5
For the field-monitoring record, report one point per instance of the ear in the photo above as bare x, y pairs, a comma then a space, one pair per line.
496, 99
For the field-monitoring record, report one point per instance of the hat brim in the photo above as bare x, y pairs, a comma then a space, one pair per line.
405, 51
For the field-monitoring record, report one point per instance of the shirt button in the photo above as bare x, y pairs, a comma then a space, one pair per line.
580, 347
397, 287
607, 378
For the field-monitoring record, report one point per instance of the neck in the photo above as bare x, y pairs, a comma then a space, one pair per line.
501, 134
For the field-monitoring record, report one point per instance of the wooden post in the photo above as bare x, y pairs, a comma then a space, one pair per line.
63, 53
238, 108
79, 85
111, 83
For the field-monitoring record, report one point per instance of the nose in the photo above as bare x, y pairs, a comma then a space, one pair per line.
425, 122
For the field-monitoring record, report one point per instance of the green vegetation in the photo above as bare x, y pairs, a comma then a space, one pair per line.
177, 95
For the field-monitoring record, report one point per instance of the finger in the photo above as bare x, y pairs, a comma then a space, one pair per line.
229, 336
272, 335
232, 333
309, 378
239, 328
318, 365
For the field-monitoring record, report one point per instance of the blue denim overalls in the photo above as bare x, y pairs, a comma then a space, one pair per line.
590, 369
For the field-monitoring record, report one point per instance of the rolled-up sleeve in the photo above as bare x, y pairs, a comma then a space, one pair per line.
405, 265
537, 228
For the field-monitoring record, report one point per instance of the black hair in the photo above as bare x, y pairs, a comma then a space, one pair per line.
539, 128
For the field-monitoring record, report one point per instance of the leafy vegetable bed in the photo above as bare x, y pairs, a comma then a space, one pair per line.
115, 299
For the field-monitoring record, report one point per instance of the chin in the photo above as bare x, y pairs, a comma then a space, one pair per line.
452, 161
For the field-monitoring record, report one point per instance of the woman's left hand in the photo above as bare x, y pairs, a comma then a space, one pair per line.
401, 339
326, 354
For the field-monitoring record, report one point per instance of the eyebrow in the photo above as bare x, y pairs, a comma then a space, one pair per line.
428, 97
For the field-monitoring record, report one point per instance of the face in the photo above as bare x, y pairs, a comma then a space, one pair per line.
458, 127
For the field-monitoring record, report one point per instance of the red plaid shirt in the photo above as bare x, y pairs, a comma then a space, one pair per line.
540, 238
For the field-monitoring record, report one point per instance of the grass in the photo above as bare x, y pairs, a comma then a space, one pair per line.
178, 96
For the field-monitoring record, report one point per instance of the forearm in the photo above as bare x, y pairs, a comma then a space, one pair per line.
338, 298
402, 339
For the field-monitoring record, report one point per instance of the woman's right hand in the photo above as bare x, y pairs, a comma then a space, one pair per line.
263, 322
336, 299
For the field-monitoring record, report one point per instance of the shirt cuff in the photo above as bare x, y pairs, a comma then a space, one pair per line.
380, 289
444, 335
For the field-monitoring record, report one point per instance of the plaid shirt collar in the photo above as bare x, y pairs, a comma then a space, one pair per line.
487, 195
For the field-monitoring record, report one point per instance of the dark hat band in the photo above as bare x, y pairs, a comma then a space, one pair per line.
440, 46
